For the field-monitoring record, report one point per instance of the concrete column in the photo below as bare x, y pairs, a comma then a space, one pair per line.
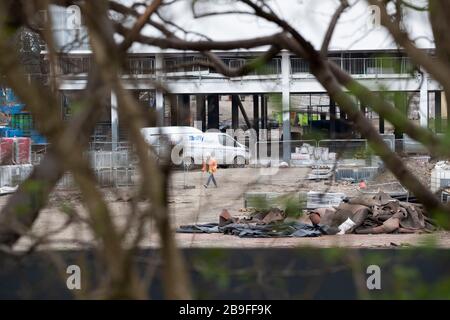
423, 104
363, 109
234, 112
285, 84
213, 111
184, 110
174, 102
114, 122
400, 100
159, 97
256, 114
444, 111
381, 124
332, 119
266, 118
437, 111
263, 120
201, 112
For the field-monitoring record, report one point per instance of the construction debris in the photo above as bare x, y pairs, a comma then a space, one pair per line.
319, 172
261, 224
367, 214
372, 214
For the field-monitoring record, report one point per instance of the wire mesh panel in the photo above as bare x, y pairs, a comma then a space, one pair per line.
347, 148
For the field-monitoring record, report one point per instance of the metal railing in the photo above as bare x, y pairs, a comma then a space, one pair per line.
140, 65
299, 65
81, 64
272, 67
362, 66
371, 66
185, 64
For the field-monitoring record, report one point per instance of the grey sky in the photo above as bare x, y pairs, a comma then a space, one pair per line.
310, 17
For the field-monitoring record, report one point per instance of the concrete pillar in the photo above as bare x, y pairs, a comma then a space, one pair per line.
363, 109
213, 111
381, 124
437, 111
114, 122
201, 112
332, 119
423, 104
234, 112
159, 97
444, 110
256, 114
174, 110
184, 110
400, 100
285, 84
263, 120
266, 118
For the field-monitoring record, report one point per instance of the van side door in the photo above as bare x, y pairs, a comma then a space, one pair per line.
212, 146
228, 148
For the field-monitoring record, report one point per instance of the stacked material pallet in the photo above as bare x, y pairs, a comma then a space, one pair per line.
440, 176
316, 199
310, 153
15, 151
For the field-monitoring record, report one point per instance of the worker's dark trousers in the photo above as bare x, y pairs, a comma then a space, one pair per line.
211, 177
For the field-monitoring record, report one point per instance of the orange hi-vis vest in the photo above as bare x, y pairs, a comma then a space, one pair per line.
211, 167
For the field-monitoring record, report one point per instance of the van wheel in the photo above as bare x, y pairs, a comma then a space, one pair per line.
239, 162
188, 163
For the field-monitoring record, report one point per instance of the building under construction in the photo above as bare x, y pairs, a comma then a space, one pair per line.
281, 100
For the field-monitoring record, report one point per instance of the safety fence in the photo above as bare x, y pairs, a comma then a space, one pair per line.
317, 150
410, 146
346, 148
356, 174
115, 163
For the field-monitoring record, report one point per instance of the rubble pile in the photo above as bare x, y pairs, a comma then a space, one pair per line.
366, 214
373, 214
422, 169
259, 224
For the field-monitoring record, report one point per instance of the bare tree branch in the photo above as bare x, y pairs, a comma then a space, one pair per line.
334, 20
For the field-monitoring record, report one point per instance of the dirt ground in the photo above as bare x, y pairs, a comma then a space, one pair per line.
200, 205
420, 167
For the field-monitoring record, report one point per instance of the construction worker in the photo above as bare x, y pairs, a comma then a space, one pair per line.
210, 166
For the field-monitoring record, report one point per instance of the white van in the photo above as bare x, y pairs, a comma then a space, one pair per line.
196, 144
153, 135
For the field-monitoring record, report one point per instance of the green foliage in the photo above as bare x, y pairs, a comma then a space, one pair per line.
33, 186
293, 207
315, 135
210, 265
